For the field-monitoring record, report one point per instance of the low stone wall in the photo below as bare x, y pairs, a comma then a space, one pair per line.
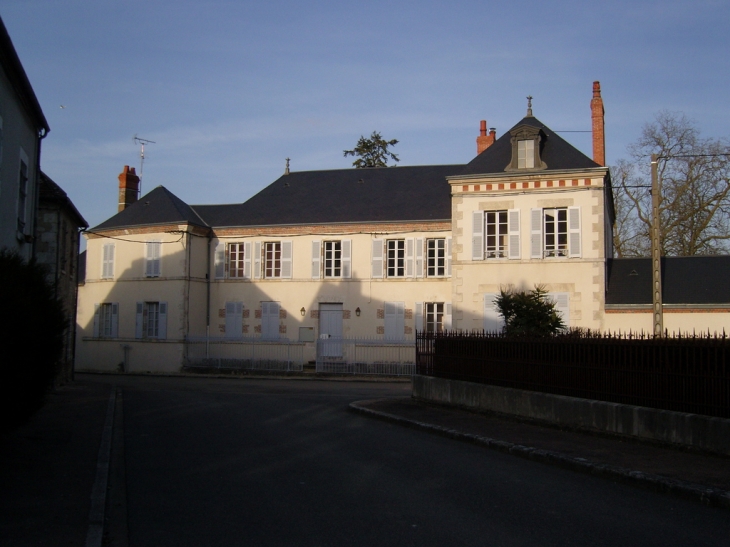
703, 432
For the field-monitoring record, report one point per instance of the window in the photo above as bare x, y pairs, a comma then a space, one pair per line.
152, 259
396, 255
526, 154
106, 320
22, 192
107, 261
270, 320
556, 232
434, 316
151, 320
234, 319
332, 259
272, 259
496, 234
236, 261
436, 257
395, 320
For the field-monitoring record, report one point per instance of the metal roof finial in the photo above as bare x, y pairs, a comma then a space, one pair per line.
529, 106
286, 171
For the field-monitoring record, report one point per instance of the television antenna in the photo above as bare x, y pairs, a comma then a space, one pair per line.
142, 142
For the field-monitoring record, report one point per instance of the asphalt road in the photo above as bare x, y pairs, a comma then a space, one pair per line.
211, 462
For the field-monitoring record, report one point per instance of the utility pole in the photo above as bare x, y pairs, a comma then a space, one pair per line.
656, 252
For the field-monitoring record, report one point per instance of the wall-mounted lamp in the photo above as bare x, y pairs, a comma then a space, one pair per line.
303, 311
357, 311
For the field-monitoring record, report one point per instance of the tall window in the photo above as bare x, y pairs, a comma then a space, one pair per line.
496, 232
236, 260
151, 316
105, 320
152, 259
555, 228
107, 261
436, 257
526, 154
270, 320
22, 195
434, 316
272, 259
333, 259
396, 257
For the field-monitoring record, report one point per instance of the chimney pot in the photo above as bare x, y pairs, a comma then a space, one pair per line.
483, 128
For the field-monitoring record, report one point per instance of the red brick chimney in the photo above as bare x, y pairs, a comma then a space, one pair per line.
128, 187
599, 140
484, 141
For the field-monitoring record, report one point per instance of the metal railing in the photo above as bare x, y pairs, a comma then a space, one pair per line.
247, 353
683, 373
366, 356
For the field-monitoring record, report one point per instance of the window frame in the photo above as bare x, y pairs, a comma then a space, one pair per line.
237, 260
272, 259
395, 258
434, 315
332, 259
436, 258
500, 237
559, 248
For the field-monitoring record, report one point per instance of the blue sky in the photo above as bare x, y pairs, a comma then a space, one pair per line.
229, 89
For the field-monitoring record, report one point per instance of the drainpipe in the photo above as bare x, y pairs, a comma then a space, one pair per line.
42, 134
207, 299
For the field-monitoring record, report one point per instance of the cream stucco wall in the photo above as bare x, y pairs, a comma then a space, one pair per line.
583, 278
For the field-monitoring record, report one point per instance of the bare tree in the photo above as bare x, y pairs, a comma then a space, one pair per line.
694, 201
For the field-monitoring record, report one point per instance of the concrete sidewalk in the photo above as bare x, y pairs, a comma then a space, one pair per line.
689, 474
48, 468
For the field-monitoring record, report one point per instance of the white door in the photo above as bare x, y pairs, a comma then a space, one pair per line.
330, 330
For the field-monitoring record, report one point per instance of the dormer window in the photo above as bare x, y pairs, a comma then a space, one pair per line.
526, 154
526, 144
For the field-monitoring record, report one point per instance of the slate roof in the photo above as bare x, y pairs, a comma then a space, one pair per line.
685, 280
556, 153
160, 206
343, 196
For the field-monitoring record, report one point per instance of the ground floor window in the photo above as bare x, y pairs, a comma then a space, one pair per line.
151, 320
434, 316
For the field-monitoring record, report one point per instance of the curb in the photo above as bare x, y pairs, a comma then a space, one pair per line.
293, 376
713, 497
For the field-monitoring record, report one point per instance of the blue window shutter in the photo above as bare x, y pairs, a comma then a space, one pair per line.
115, 320
96, 320
162, 328
139, 324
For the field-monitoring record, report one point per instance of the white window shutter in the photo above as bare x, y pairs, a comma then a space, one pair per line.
562, 305
316, 248
419, 257
286, 259
536, 233
574, 240
107, 269
162, 327
410, 255
247, 260
394, 320
139, 320
377, 272
346, 258
419, 316
447, 316
96, 320
152, 262
400, 320
448, 257
493, 321
257, 260
115, 320
513, 227
220, 260
477, 235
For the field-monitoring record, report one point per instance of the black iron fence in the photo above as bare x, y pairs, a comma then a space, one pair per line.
684, 374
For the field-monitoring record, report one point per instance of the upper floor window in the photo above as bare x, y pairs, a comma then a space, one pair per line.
333, 259
106, 320
555, 232
526, 154
236, 260
152, 259
272, 259
396, 258
436, 257
107, 261
496, 234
